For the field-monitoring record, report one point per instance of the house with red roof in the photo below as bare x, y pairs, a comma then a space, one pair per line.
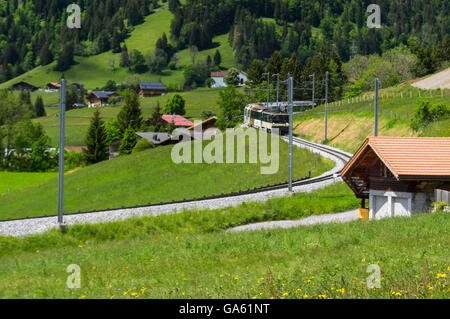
178, 120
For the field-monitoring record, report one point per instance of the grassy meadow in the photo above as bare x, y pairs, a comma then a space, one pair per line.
350, 121
152, 177
164, 257
12, 181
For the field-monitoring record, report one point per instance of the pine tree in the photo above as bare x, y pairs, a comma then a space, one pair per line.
217, 58
130, 115
156, 119
275, 63
128, 142
115, 42
255, 73
39, 107
97, 148
124, 57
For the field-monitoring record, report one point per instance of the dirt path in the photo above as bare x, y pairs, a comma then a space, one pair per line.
440, 80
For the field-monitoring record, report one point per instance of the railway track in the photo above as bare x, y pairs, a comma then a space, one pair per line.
338, 156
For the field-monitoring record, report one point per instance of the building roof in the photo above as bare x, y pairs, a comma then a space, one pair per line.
178, 120
103, 94
22, 84
75, 148
54, 84
152, 86
155, 138
212, 120
219, 74
408, 158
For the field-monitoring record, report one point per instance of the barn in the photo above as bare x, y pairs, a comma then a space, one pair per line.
100, 98
149, 89
24, 86
400, 176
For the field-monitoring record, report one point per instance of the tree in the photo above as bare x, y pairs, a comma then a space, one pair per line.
275, 63
142, 145
96, 140
111, 85
65, 59
40, 158
112, 131
156, 120
39, 107
217, 58
124, 58
137, 62
128, 142
255, 73
130, 116
175, 105
232, 78
231, 104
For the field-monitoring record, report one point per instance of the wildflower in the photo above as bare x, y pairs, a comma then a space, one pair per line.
143, 289
235, 278
439, 275
398, 294
298, 290
434, 265
183, 293
261, 293
321, 296
221, 276
305, 296
342, 290
83, 297
134, 294
112, 297
254, 297
80, 246
185, 279
94, 268
176, 238
285, 294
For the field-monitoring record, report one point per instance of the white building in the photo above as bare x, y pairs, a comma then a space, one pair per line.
219, 79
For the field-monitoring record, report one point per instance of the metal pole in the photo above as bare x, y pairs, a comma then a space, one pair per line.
268, 88
278, 86
326, 105
62, 121
376, 107
313, 88
290, 106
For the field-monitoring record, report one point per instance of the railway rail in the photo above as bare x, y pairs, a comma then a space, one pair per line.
340, 157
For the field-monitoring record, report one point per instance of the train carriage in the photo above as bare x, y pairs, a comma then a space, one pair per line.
269, 119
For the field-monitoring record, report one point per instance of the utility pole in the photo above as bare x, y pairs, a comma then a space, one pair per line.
62, 124
290, 106
268, 87
313, 76
326, 105
376, 106
278, 86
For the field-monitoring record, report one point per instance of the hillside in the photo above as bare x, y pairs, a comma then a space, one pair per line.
95, 71
350, 121
151, 177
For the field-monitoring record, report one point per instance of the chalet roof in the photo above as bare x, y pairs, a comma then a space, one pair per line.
25, 84
103, 94
152, 86
178, 120
408, 158
212, 120
54, 84
155, 138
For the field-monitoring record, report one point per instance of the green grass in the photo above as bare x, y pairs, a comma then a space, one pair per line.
77, 121
351, 121
151, 177
188, 255
11, 182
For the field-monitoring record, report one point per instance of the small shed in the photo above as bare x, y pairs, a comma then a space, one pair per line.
399, 175
149, 89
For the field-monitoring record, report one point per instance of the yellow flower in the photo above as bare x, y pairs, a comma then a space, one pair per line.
254, 297
93, 267
183, 293
342, 290
185, 279
305, 296
83, 297
285, 294
298, 290
112, 297
80, 246
176, 238
236, 278
439, 275
134, 293
398, 294
136, 296
143, 289
434, 265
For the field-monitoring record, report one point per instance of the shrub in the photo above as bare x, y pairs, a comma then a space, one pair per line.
142, 145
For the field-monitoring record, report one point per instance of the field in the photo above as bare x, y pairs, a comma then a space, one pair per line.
351, 121
152, 177
12, 182
164, 257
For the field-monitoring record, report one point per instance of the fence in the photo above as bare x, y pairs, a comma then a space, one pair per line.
442, 196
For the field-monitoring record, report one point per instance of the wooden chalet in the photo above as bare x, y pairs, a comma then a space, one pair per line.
399, 175
99, 98
52, 87
149, 89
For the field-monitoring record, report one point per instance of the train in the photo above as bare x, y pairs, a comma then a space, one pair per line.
273, 115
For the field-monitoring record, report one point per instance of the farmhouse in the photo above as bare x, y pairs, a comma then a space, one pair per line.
399, 175
99, 98
52, 87
178, 120
24, 86
149, 89
219, 79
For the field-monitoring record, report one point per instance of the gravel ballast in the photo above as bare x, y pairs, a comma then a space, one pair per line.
26, 227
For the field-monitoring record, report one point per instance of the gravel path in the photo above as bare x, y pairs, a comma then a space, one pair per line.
308, 221
22, 228
440, 80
